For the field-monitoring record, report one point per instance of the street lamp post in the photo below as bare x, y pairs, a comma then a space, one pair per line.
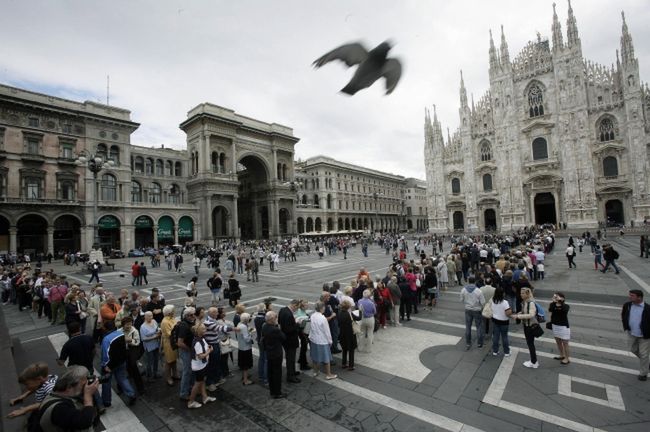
95, 163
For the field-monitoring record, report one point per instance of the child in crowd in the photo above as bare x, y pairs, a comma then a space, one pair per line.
36, 379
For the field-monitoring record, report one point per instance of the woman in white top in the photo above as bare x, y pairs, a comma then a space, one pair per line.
501, 322
200, 355
320, 340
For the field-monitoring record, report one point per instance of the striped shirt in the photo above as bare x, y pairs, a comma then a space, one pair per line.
45, 388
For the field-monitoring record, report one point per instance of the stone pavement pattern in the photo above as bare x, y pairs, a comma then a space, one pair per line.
419, 377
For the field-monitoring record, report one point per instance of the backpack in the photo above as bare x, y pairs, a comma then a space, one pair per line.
173, 338
614, 254
34, 419
540, 316
203, 346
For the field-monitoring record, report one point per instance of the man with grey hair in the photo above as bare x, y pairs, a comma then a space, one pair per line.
290, 329
272, 341
70, 406
185, 337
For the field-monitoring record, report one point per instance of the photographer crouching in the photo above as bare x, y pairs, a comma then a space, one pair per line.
70, 405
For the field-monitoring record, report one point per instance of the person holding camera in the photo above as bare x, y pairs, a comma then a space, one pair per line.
70, 406
560, 325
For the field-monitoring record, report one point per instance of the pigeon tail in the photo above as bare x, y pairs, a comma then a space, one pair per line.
349, 89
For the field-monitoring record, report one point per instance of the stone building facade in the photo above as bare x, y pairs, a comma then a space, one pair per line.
337, 196
415, 198
47, 199
556, 138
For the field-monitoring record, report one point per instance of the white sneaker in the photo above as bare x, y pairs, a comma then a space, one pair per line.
193, 405
507, 355
495, 354
531, 365
212, 387
209, 399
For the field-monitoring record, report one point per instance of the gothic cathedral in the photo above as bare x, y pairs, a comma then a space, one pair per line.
556, 139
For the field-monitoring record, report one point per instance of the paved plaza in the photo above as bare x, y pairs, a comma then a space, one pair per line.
419, 377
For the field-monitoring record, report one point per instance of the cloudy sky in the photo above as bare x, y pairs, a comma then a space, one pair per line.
254, 56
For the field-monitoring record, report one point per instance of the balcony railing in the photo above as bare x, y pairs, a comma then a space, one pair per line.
610, 180
38, 201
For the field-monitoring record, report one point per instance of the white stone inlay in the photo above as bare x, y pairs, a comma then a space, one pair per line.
614, 396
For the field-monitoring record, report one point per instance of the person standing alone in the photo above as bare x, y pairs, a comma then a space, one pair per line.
636, 323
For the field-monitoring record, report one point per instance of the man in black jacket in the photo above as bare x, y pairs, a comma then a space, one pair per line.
290, 329
636, 322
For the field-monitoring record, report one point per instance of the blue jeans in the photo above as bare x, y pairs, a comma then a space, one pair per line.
214, 365
613, 263
500, 330
262, 366
187, 378
477, 317
151, 359
122, 381
334, 330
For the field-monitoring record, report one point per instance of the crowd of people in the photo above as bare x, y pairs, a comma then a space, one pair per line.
139, 338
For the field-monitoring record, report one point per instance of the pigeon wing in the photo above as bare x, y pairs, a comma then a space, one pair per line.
351, 54
392, 71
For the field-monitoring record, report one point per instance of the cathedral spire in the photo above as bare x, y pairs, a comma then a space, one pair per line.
435, 114
463, 92
505, 56
558, 43
572, 29
627, 48
494, 61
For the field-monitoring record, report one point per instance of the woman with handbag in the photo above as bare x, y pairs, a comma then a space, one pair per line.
347, 335
560, 325
531, 326
500, 322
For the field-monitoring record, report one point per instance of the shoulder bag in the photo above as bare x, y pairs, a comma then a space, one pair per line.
487, 310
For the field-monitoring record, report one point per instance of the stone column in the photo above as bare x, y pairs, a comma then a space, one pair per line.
127, 237
206, 219
176, 234
557, 207
235, 218
13, 240
234, 157
255, 210
50, 241
155, 236
207, 156
275, 165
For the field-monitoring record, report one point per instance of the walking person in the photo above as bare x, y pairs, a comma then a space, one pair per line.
196, 263
473, 299
94, 272
135, 274
610, 256
501, 312
528, 317
142, 273
570, 255
560, 324
598, 255
636, 323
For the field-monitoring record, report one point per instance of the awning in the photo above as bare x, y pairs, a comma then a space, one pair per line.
165, 228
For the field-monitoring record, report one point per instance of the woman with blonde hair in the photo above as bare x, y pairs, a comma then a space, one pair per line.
528, 317
170, 354
320, 340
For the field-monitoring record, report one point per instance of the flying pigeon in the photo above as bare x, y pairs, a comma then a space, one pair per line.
373, 65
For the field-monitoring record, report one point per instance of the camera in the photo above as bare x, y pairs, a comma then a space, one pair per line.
102, 378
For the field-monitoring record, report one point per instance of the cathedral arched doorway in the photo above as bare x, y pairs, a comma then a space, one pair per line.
459, 220
219, 222
545, 208
614, 212
252, 210
490, 220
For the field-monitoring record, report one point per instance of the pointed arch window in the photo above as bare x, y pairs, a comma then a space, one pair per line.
455, 186
606, 130
487, 182
486, 151
610, 166
540, 149
535, 101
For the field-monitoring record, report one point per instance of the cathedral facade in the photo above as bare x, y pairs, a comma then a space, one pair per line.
555, 139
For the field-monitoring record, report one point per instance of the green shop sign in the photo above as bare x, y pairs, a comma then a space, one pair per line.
143, 222
165, 228
185, 227
108, 222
